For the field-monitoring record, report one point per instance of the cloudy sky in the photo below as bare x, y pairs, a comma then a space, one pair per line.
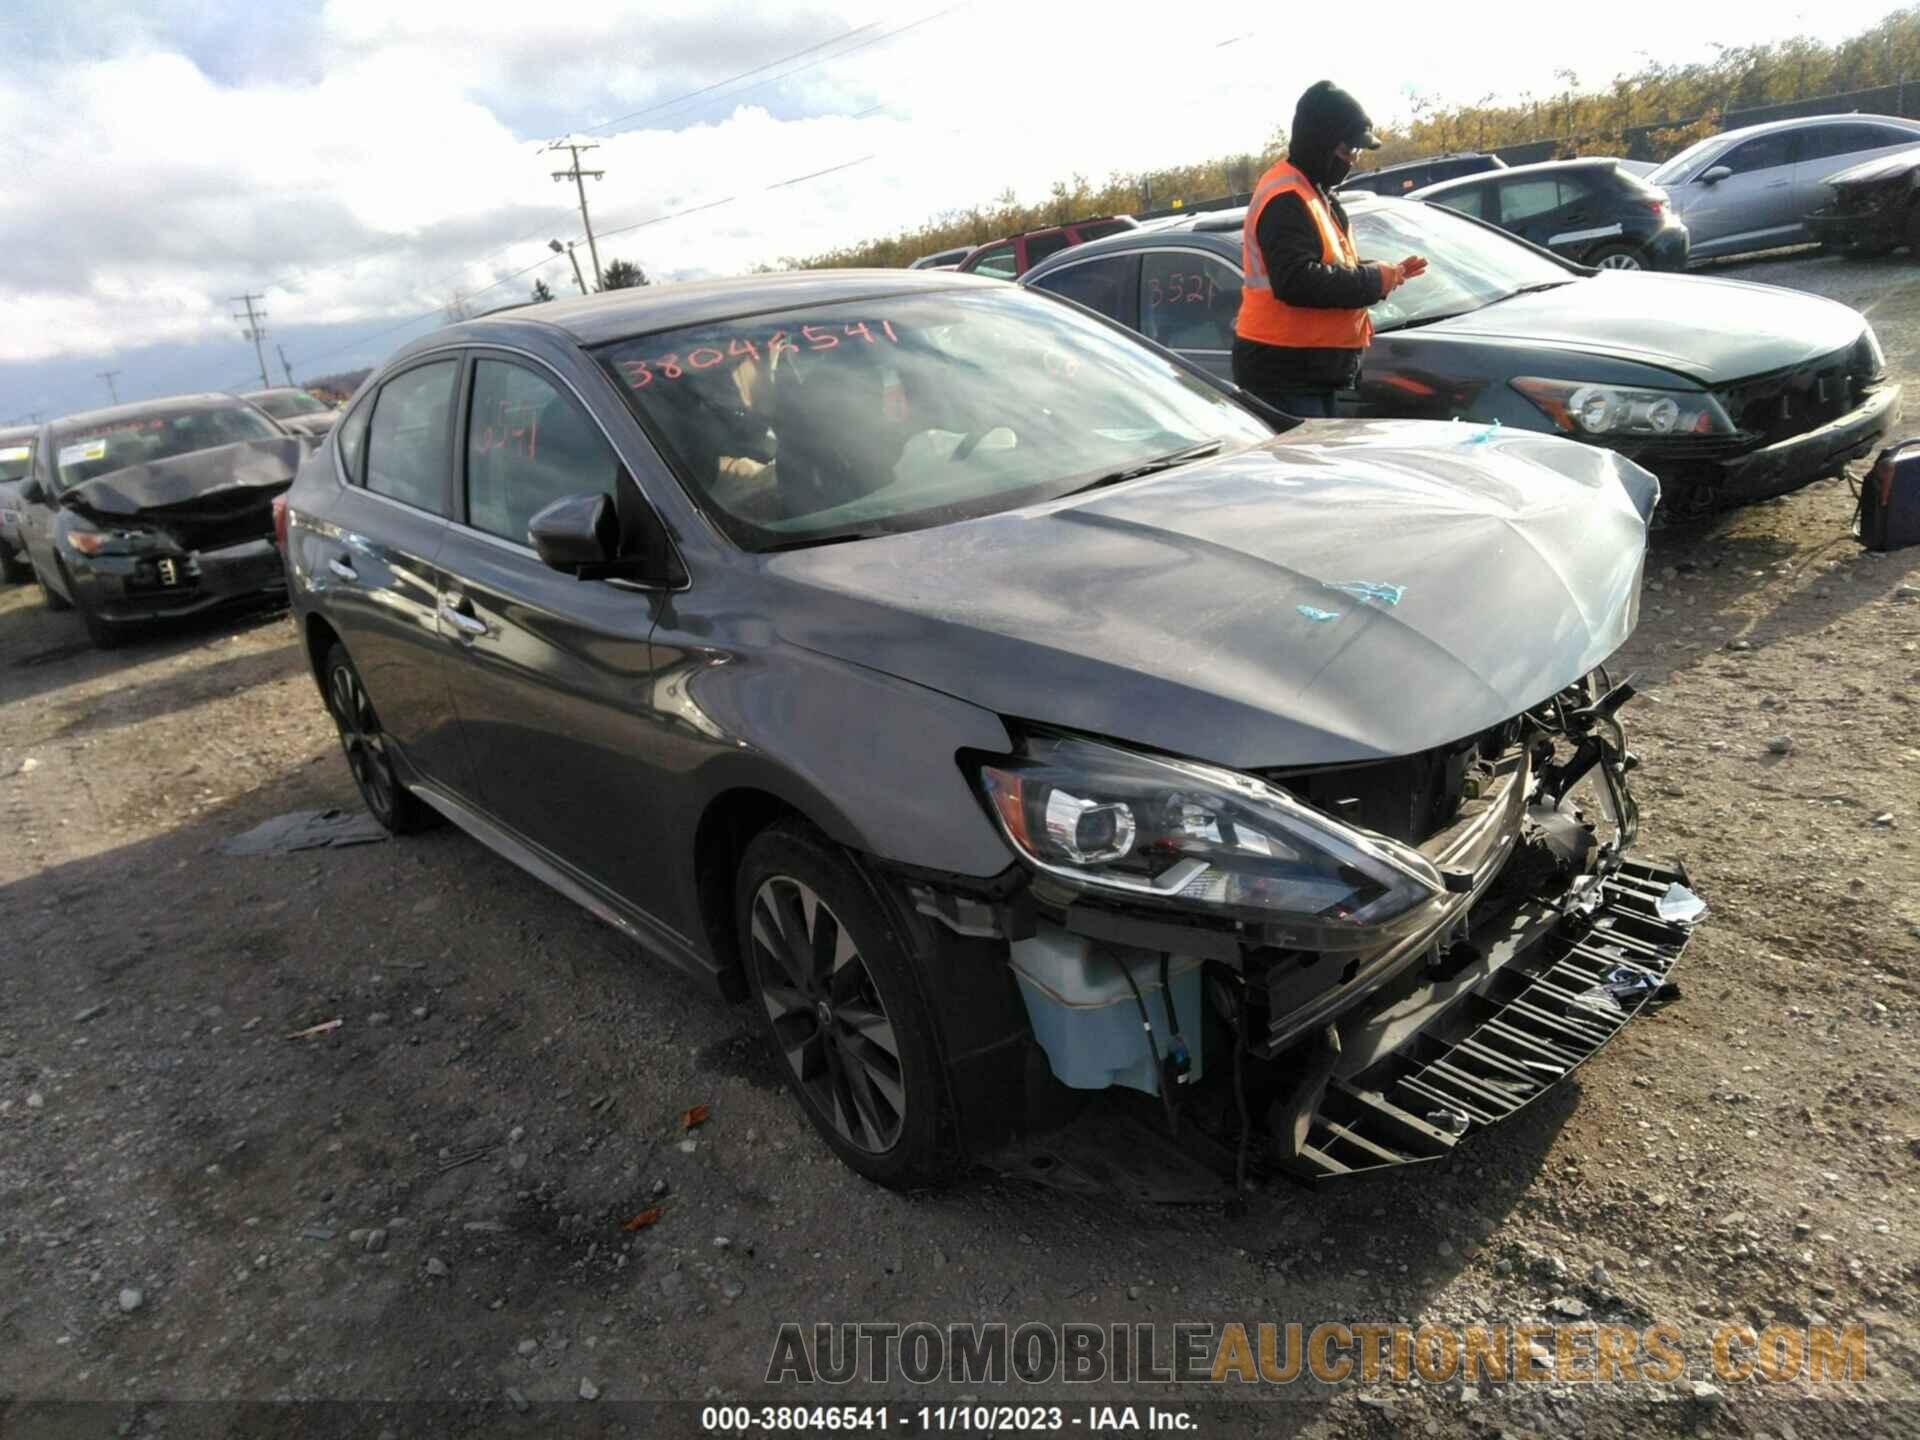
361, 162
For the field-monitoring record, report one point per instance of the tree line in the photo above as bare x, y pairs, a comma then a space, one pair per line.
1654, 112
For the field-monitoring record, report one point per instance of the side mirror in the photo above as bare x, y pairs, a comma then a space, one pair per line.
1714, 174
582, 536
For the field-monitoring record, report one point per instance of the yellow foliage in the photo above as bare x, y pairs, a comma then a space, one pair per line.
1654, 112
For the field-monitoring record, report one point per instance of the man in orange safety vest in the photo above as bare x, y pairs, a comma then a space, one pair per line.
1303, 303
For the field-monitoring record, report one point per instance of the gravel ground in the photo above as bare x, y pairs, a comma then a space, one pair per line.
426, 1204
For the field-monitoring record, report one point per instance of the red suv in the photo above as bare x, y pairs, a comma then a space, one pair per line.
1009, 259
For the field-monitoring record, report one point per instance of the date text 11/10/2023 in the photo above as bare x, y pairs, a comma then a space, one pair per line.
975, 1419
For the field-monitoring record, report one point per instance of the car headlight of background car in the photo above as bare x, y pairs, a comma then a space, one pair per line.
1581, 407
1202, 838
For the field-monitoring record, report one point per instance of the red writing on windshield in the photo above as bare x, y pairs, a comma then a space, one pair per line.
808, 339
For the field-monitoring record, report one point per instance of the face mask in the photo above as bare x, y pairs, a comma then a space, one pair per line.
1337, 170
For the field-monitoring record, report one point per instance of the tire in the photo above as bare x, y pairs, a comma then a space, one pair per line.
55, 600
1618, 257
365, 744
104, 634
823, 962
14, 569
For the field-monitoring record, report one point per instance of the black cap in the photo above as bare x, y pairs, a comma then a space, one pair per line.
1327, 116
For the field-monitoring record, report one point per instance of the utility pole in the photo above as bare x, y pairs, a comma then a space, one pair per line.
254, 333
284, 365
112, 389
580, 177
567, 250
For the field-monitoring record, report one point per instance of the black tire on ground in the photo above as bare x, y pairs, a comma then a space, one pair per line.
14, 569
104, 634
1618, 257
835, 994
1913, 227
55, 600
365, 744
1868, 249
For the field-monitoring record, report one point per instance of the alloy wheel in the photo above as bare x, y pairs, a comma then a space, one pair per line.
827, 1015
361, 738
1620, 260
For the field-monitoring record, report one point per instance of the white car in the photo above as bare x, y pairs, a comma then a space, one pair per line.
1752, 189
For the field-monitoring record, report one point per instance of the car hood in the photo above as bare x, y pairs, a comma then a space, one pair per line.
188, 479
1886, 167
1711, 331
1355, 590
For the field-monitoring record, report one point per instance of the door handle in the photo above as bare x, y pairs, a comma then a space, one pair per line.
343, 567
463, 620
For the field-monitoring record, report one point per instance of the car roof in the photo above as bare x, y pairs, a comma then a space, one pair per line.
1799, 122
1460, 182
1428, 160
9, 433
133, 410
272, 390
619, 314
1216, 230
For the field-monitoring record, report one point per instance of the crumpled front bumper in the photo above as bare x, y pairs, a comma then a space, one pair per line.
166, 583
1779, 468
1417, 1074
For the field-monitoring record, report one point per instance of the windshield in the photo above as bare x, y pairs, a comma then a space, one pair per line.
915, 410
85, 452
1468, 266
15, 457
1669, 171
285, 404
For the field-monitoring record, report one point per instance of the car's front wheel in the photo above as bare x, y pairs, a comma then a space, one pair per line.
836, 997
14, 568
1618, 257
365, 743
55, 600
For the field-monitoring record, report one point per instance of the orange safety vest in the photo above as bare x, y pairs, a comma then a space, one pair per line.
1268, 320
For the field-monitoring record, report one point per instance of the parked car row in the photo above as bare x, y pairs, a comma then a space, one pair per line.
149, 511
1730, 392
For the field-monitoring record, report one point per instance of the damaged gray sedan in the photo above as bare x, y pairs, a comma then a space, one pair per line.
156, 510
1065, 756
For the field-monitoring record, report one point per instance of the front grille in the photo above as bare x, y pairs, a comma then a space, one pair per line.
1786, 403
1410, 798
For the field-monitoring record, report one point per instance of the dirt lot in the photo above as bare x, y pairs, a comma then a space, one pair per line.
184, 1191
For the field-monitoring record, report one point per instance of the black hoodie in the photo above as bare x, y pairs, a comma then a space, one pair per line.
1290, 245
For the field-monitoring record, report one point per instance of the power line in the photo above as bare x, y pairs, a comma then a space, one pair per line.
112, 389
284, 365
254, 332
743, 75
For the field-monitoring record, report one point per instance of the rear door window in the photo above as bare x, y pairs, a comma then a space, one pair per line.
1522, 200
1468, 200
998, 262
1039, 247
352, 438
1763, 152
1188, 301
528, 445
407, 438
1105, 285
1822, 142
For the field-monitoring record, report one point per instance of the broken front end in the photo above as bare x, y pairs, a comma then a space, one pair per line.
1322, 971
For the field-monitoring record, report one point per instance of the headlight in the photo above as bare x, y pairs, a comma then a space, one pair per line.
1581, 408
108, 542
1201, 837
1876, 357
